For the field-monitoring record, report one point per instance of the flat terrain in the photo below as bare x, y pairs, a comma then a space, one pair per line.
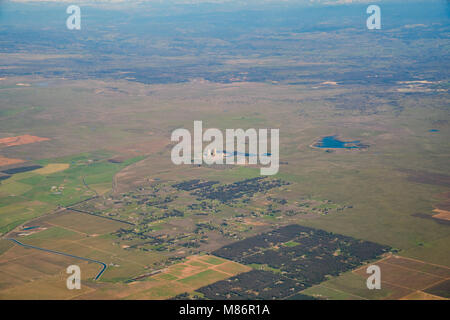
402, 278
85, 141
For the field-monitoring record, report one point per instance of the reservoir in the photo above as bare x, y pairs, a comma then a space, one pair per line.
332, 142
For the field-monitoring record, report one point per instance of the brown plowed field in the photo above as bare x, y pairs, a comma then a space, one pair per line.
8, 161
19, 140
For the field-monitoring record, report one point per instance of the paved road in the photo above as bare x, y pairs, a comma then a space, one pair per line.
99, 216
64, 254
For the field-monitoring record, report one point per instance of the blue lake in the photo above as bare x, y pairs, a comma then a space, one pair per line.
334, 143
30, 228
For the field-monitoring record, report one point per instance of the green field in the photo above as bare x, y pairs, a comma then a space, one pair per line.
29, 195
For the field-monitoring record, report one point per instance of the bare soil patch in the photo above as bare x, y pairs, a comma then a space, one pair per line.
8, 161
19, 140
442, 214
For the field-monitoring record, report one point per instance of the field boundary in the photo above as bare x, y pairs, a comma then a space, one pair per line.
64, 254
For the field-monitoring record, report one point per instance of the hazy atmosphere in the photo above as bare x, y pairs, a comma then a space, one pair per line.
224, 150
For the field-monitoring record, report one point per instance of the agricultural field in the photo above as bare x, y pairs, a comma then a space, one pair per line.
86, 176
31, 191
288, 260
403, 278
